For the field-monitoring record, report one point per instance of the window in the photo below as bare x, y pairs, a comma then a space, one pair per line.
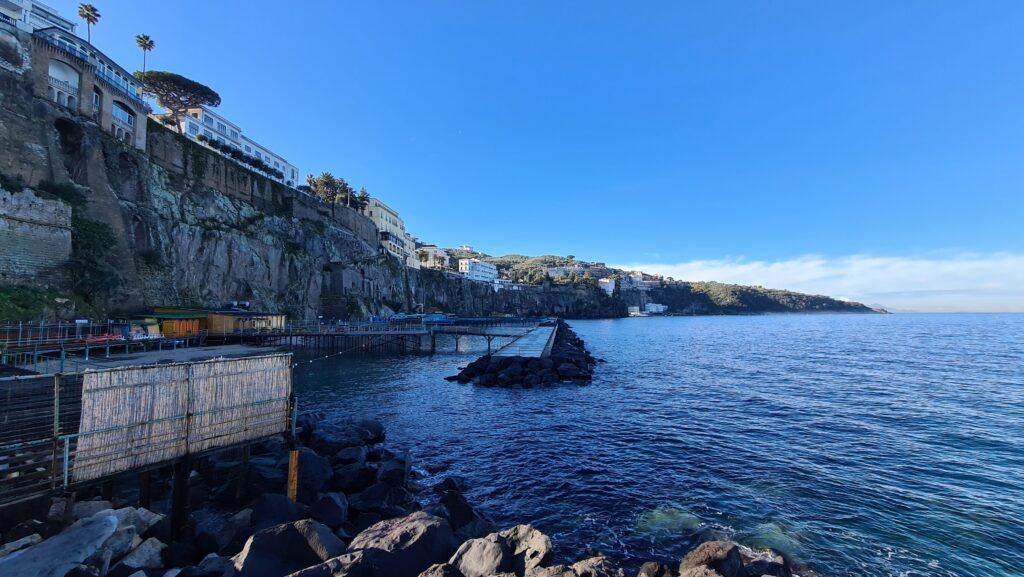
248, 149
195, 115
207, 120
121, 113
207, 134
220, 140
221, 127
234, 134
277, 164
258, 155
193, 129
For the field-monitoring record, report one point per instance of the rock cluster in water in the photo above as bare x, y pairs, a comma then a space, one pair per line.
361, 512
569, 361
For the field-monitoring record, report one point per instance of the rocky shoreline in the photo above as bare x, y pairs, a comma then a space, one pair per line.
362, 511
570, 361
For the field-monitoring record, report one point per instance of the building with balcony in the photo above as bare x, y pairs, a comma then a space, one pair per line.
75, 75
393, 236
476, 269
431, 256
607, 285
29, 15
215, 128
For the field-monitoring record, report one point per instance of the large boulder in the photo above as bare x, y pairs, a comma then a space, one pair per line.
331, 439
568, 371
765, 562
331, 509
553, 571
372, 431
19, 544
83, 509
124, 539
379, 497
347, 565
722, 557
61, 553
464, 519
599, 566
314, 472
406, 546
530, 547
145, 556
394, 471
350, 455
273, 509
353, 477
287, 548
267, 474
441, 570
654, 569
483, 557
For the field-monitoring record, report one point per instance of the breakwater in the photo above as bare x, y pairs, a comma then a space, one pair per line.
566, 360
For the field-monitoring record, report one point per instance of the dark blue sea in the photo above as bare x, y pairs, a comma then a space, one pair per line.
857, 444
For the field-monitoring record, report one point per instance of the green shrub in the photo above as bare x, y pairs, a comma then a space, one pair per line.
65, 191
11, 183
10, 53
92, 272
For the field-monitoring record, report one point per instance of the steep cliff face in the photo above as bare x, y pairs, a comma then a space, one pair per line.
190, 228
435, 289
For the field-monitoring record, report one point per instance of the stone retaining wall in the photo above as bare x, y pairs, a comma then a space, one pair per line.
35, 237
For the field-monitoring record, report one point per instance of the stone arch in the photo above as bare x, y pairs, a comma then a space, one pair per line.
63, 80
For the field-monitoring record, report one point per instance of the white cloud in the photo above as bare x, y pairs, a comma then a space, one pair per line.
962, 282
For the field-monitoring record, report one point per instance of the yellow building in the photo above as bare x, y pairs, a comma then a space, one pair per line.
231, 322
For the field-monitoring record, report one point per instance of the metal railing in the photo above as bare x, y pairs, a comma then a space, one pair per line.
113, 82
35, 412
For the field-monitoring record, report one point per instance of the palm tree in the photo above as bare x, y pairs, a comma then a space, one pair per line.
146, 44
91, 15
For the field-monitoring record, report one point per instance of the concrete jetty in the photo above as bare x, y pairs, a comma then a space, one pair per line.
535, 344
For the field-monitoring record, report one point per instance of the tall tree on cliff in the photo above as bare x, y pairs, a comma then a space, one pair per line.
91, 15
330, 188
146, 43
363, 200
177, 93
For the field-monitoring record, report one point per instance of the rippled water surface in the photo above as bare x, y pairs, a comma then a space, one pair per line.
860, 444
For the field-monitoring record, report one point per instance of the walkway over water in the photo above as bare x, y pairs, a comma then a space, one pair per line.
534, 344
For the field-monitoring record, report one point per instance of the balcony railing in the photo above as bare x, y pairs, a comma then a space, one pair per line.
63, 85
8, 21
112, 81
101, 72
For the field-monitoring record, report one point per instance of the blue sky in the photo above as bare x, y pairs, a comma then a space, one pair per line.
651, 134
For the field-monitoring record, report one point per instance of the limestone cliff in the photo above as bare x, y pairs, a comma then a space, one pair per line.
192, 228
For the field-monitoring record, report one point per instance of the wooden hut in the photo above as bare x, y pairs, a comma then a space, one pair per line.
180, 323
232, 322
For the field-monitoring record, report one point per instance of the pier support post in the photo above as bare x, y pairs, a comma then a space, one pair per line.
179, 498
293, 475
145, 489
